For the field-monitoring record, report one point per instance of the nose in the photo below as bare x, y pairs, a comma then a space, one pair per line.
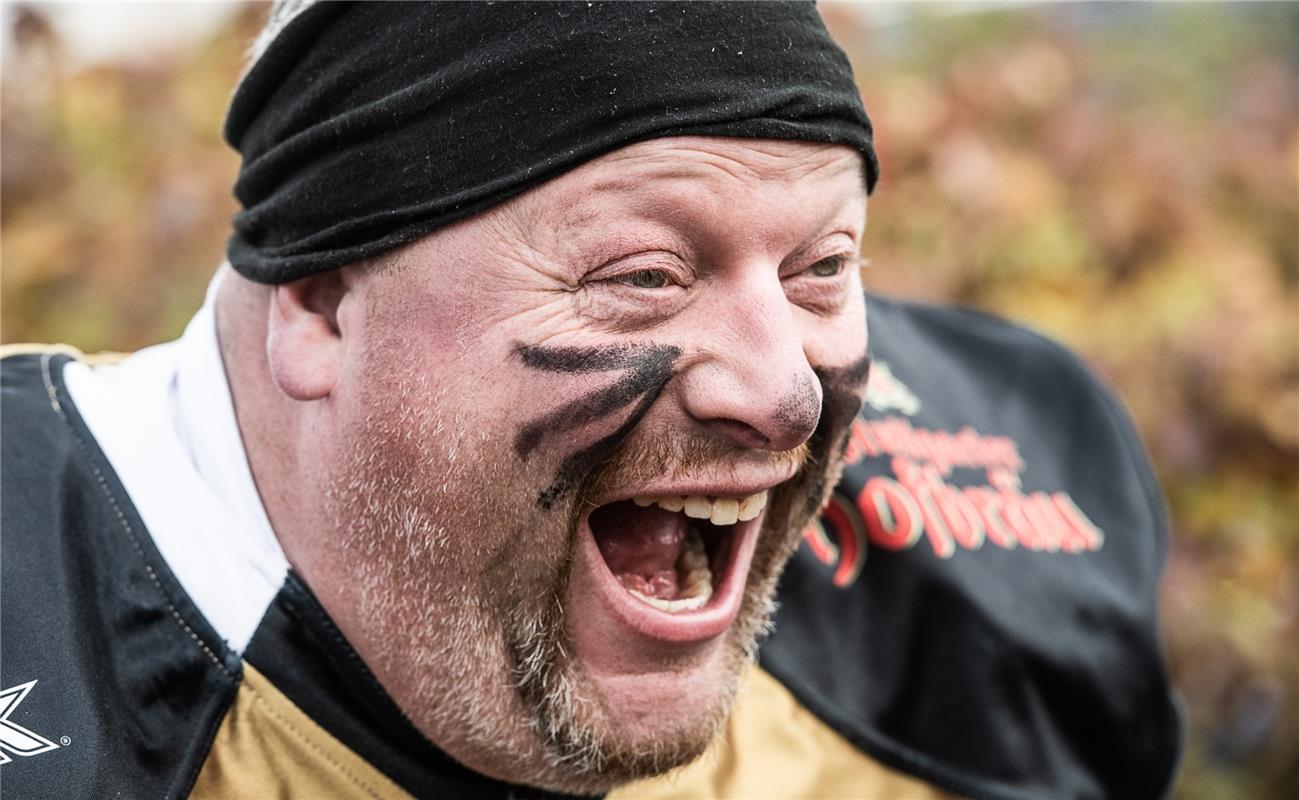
750, 381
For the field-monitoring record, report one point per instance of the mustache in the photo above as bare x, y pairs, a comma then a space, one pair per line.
639, 460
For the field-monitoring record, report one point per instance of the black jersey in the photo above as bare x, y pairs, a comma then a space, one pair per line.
973, 613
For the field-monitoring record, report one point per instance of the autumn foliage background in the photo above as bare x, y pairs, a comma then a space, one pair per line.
1123, 177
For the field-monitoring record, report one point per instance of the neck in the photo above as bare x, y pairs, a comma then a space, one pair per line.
269, 422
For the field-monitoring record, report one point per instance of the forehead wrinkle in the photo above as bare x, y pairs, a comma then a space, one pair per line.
679, 201
760, 159
725, 177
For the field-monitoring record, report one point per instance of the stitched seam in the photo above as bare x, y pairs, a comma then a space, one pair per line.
112, 501
50, 392
306, 739
187, 781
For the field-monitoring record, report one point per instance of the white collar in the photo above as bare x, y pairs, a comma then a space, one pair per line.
165, 419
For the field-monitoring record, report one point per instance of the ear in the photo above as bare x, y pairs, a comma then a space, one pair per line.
304, 343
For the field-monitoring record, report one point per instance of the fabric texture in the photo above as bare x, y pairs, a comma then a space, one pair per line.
365, 126
267, 743
774, 748
127, 682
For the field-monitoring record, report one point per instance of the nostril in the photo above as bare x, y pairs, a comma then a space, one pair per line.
751, 402
742, 433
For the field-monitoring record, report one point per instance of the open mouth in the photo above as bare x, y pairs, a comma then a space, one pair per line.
674, 553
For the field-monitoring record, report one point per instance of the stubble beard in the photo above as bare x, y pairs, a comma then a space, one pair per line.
459, 593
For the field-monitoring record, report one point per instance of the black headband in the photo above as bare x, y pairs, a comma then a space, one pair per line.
364, 126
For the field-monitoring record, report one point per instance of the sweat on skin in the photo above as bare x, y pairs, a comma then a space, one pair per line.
681, 317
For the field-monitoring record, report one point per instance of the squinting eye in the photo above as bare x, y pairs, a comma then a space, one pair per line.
644, 279
827, 267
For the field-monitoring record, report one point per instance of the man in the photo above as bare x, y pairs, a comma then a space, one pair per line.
541, 346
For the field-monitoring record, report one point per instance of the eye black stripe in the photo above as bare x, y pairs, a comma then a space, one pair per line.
584, 460
596, 405
576, 360
646, 371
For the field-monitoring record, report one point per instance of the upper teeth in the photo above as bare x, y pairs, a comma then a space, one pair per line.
717, 510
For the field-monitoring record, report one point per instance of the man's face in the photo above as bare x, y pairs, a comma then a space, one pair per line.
553, 436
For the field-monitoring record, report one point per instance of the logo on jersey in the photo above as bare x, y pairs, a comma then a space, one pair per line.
14, 738
919, 501
884, 392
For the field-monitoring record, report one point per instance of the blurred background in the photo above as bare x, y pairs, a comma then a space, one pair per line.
1122, 177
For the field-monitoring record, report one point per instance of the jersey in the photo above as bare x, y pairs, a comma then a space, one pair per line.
973, 613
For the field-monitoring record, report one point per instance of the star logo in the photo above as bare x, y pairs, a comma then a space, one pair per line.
14, 738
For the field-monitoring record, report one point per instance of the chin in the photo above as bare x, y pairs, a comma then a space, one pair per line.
658, 722
607, 728
578, 648
641, 686
683, 705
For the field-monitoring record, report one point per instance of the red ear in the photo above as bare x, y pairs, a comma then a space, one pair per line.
303, 341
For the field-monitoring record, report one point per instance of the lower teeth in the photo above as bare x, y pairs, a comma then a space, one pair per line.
696, 581
673, 606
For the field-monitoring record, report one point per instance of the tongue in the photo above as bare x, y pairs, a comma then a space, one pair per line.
641, 546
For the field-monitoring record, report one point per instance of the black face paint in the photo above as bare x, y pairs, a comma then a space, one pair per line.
843, 387
646, 371
578, 360
842, 396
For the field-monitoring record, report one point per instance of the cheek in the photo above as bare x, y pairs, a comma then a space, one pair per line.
551, 416
589, 400
434, 354
430, 316
839, 340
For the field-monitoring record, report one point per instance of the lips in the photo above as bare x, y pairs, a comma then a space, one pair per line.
661, 576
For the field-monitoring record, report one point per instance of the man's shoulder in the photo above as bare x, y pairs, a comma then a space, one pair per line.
31, 414
43, 433
14, 355
992, 548
31, 377
111, 673
968, 339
